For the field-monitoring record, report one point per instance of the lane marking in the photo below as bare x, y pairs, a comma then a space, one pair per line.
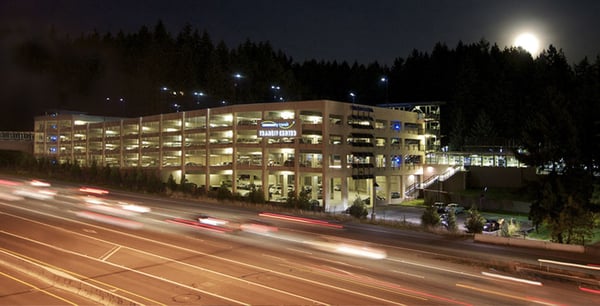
37, 288
110, 253
74, 275
125, 268
409, 274
194, 252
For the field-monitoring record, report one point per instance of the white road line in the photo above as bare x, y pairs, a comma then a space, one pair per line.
110, 253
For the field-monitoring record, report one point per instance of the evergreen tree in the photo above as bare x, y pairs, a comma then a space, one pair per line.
474, 222
430, 217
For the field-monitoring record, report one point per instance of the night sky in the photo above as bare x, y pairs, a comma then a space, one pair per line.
342, 30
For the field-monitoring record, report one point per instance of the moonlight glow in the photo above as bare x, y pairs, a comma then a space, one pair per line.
528, 42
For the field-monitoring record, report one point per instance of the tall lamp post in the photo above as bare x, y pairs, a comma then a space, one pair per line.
276, 94
236, 83
198, 97
374, 198
385, 81
353, 96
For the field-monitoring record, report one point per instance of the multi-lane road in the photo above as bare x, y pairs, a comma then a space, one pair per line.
167, 256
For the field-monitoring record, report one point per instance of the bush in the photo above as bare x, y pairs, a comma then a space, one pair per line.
256, 196
430, 217
358, 209
474, 222
223, 193
510, 228
451, 221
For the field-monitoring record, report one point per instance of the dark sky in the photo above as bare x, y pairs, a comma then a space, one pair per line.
343, 30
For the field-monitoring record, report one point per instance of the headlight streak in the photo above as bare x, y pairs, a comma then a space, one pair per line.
109, 219
524, 298
198, 225
424, 296
275, 272
569, 264
128, 269
510, 296
409, 274
437, 268
510, 278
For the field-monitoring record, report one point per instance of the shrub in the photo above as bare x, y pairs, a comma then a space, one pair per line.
475, 221
451, 221
358, 209
430, 217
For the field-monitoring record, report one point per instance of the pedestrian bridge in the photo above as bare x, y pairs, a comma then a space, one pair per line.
16, 141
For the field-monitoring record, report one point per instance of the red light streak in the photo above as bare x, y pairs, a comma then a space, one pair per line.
300, 220
93, 190
590, 290
198, 225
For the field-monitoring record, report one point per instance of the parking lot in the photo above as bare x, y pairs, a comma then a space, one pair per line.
412, 214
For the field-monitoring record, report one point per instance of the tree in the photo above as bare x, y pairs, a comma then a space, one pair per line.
459, 131
256, 196
430, 217
474, 222
564, 204
451, 221
510, 228
171, 183
223, 193
358, 209
483, 130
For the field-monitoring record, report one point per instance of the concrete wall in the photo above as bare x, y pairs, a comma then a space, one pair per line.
64, 281
520, 242
496, 177
23, 146
479, 178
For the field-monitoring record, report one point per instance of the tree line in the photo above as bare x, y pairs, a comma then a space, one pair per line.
490, 93
543, 107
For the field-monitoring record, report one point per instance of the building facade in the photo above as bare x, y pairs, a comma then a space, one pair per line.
335, 151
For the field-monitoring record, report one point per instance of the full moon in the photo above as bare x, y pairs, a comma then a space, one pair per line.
527, 41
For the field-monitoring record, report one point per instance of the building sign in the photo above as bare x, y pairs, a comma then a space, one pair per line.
279, 128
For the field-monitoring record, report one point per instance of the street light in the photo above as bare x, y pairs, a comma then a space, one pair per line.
374, 198
385, 82
276, 96
353, 96
198, 95
121, 102
236, 78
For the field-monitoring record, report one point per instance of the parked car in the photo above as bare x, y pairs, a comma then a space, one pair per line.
455, 207
395, 195
379, 198
440, 207
315, 205
491, 225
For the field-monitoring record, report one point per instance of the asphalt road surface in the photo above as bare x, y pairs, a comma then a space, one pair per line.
177, 252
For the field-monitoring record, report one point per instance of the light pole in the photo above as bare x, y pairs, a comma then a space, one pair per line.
374, 199
236, 79
353, 96
121, 103
198, 95
385, 81
276, 94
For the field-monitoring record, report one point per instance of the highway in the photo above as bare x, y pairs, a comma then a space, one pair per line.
165, 255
